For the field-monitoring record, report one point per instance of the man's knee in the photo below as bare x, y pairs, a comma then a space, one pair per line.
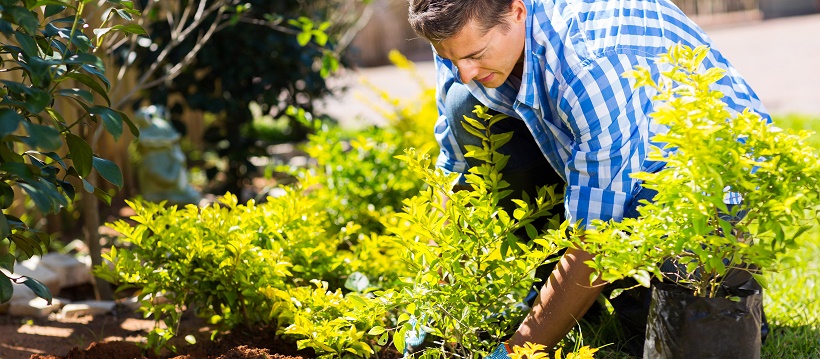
458, 102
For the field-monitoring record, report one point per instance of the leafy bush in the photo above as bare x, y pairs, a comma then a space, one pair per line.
362, 182
49, 48
470, 283
276, 54
710, 151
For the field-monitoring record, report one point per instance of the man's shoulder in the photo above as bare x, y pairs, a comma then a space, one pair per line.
587, 29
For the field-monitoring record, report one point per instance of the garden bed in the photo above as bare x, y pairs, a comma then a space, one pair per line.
118, 336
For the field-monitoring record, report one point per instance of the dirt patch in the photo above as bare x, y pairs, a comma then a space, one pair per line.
119, 336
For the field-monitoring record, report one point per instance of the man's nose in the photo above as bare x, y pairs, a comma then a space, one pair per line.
467, 71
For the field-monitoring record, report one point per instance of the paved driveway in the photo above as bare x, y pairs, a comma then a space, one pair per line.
780, 58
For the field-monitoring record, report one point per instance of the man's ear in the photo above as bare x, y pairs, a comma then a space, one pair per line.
518, 11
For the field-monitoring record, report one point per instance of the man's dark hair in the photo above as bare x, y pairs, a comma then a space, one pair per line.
437, 20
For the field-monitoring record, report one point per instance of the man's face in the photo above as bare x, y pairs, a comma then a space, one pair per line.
490, 57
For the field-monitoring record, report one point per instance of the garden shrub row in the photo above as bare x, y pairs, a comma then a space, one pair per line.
361, 250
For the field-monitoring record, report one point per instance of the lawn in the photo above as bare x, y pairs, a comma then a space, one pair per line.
792, 300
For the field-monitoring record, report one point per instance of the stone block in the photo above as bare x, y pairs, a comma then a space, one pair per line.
37, 307
90, 307
70, 270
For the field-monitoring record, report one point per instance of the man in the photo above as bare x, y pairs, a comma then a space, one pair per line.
555, 67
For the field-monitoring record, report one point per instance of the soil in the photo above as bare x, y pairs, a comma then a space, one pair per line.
119, 335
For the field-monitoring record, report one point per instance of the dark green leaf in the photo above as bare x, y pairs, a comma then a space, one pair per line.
22, 244
27, 43
131, 126
41, 199
56, 158
109, 171
44, 238
68, 189
82, 42
78, 93
43, 136
111, 119
38, 288
25, 18
531, 231
81, 154
89, 81
6, 289
52, 10
7, 262
96, 72
57, 117
5, 227
16, 87
41, 72
5, 28
85, 59
102, 195
38, 100
59, 46
51, 30
22, 170
9, 121
6, 195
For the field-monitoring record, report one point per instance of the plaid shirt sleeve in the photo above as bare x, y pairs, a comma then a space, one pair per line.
608, 120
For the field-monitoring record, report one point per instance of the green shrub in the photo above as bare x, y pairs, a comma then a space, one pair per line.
225, 261
472, 270
709, 151
362, 181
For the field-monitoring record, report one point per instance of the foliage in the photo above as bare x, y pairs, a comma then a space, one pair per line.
50, 50
276, 54
362, 182
472, 270
235, 263
536, 351
332, 323
709, 152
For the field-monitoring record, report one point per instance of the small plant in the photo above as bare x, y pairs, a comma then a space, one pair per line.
710, 154
472, 269
224, 261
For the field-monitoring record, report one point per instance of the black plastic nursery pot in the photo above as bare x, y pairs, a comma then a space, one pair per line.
681, 325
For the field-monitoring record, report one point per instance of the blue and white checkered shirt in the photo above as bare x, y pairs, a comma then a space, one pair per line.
589, 122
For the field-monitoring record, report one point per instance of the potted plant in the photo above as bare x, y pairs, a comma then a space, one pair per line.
703, 253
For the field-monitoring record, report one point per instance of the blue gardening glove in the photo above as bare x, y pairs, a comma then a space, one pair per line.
500, 352
414, 337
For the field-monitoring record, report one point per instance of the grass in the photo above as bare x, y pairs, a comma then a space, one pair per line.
791, 300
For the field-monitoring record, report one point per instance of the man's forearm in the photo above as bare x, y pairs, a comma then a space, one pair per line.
563, 300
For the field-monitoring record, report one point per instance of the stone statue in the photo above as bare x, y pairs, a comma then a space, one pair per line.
162, 173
